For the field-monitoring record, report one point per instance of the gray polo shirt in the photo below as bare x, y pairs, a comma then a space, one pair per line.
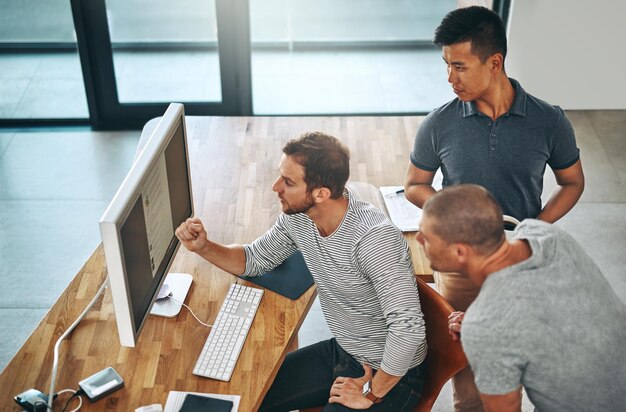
507, 156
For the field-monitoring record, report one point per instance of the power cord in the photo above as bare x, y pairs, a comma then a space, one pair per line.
55, 361
191, 311
67, 332
75, 394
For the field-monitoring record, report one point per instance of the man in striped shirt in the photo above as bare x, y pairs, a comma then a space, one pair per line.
362, 268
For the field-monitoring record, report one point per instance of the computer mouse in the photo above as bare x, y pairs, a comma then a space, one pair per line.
165, 292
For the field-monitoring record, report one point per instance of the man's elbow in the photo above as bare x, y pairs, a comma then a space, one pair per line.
575, 186
572, 178
580, 183
418, 193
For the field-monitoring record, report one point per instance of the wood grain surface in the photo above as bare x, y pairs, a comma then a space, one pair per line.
233, 165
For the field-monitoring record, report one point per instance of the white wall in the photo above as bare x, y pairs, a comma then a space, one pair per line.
570, 53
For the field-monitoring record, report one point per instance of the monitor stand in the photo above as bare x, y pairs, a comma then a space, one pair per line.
179, 284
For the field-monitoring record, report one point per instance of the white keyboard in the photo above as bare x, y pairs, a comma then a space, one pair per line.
223, 346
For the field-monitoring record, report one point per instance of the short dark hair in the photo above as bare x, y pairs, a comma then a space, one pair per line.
325, 159
478, 25
467, 213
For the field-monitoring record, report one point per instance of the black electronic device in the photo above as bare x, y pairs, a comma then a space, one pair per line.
196, 403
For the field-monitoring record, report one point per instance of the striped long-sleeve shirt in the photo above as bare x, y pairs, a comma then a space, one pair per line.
364, 278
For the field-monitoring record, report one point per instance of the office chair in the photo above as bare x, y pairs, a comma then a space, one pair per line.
445, 357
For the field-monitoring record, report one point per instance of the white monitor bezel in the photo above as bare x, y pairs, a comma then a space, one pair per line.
118, 210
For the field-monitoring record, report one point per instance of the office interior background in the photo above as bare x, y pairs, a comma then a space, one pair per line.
77, 83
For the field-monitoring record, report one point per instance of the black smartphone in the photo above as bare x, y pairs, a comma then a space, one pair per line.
198, 403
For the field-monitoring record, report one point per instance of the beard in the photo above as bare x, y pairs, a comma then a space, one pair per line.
301, 207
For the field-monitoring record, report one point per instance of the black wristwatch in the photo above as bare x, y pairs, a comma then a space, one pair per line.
367, 392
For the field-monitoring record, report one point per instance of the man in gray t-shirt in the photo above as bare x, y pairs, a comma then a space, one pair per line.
545, 318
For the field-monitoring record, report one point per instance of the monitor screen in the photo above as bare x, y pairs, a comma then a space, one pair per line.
138, 225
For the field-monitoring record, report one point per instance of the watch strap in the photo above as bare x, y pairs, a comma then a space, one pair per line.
369, 395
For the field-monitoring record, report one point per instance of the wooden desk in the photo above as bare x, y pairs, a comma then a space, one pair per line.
233, 164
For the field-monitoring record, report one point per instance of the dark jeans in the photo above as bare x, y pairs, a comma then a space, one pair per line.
306, 376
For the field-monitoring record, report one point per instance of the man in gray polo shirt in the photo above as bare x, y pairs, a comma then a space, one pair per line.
493, 134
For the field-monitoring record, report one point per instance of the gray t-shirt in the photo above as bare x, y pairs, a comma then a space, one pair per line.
551, 323
507, 156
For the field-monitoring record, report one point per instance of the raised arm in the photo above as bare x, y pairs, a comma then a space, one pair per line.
571, 183
418, 185
193, 236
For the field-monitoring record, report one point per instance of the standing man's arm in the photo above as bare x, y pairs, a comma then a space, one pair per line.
510, 402
571, 183
418, 185
424, 161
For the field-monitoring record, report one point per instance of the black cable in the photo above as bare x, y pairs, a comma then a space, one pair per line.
75, 394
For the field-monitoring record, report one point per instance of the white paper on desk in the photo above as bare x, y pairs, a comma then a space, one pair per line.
404, 214
175, 400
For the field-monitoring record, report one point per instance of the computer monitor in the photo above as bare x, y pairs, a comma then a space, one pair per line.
138, 226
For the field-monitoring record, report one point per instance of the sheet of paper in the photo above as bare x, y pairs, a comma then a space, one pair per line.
404, 214
175, 400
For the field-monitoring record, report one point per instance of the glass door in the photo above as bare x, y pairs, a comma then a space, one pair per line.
40, 74
347, 56
140, 55
165, 51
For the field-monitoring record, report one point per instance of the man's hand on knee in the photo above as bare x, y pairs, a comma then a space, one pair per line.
349, 391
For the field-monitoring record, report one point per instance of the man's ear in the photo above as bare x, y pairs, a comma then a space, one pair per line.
462, 252
321, 194
497, 62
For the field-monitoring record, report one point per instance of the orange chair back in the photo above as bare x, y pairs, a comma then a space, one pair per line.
445, 357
